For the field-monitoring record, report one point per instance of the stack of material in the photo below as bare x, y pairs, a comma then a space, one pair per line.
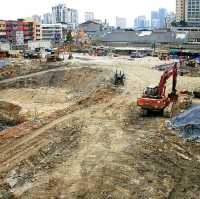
188, 124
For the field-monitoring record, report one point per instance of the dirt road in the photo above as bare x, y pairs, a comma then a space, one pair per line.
103, 149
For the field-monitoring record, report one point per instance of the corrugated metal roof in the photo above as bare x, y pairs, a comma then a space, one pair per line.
144, 37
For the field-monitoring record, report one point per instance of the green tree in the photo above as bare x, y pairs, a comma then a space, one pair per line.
173, 23
69, 37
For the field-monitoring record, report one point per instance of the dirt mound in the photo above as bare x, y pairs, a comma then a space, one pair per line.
9, 113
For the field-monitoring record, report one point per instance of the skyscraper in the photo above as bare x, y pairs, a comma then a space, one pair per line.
37, 18
59, 13
162, 16
89, 16
188, 11
120, 22
171, 16
180, 10
62, 14
47, 18
192, 12
141, 22
155, 22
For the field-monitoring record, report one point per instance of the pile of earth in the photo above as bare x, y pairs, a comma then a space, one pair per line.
9, 115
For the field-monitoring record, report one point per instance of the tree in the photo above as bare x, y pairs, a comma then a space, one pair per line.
69, 37
173, 24
69, 41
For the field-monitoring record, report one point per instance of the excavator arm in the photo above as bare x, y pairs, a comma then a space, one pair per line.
172, 71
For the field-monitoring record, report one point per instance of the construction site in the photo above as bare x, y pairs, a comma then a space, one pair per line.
73, 129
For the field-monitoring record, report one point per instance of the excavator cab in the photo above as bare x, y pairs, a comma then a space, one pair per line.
151, 91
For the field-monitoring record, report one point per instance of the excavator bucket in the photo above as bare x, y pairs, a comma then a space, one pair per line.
119, 78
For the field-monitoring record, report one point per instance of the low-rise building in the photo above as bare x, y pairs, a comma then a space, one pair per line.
193, 33
19, 32
4, 46
53, 32
37, 31
2, 30
122, 38
91, 28
32, 45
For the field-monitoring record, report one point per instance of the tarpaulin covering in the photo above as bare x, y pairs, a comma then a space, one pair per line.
188, 124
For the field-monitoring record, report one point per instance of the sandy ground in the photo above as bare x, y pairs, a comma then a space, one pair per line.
103, 149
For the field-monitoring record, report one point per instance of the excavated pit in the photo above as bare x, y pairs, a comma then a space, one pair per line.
42, 93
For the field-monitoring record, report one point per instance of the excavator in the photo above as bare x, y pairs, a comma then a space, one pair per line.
154, 98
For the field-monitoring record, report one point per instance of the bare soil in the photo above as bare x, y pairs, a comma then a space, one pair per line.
102, 149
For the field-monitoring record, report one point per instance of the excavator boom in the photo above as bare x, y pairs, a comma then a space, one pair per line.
172, 71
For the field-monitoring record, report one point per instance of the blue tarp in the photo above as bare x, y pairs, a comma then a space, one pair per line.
197, 59
188, 124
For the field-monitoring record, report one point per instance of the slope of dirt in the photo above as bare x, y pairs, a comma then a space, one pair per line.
53, 90
102, 149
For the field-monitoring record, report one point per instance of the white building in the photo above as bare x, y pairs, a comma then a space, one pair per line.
53, 32
89, 16
37, 18
120, 22
59, 14
4, 46
32, 45
19, 38
47, 18
74, 17
62, 14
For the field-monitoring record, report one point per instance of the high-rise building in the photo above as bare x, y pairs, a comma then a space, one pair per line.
188, 11
169, 19
158, 18
162, 16
37, 18
74, 17
141, 22
155, 22
59, 13
89, 16
62, 14
120, 22
47, 18
180, 10
192, 12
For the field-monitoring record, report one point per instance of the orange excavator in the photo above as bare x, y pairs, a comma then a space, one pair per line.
154, 98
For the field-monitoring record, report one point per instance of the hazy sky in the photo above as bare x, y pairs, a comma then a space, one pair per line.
12, 9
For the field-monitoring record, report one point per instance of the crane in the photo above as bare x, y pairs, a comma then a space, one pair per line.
154, 97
